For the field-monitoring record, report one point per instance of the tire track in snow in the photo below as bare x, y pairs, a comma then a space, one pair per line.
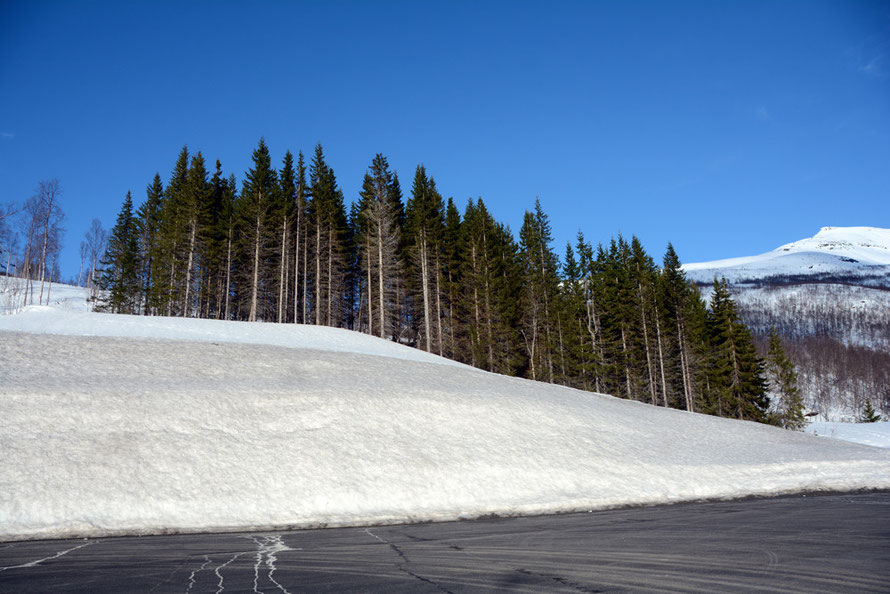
50, 558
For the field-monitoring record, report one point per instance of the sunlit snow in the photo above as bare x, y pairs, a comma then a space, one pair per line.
124, 424
832, 251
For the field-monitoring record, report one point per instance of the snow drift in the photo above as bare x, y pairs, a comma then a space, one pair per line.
128, 425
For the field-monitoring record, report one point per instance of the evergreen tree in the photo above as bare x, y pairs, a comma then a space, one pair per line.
451, 258
736, 384
869, 414
149, 223
120, 274
284, 210
195, 207
783, 378
424, 225
172, 238
571, 311
300, 243
258, 197
540, 281
678, 303
216, 238
379, 240
330, 240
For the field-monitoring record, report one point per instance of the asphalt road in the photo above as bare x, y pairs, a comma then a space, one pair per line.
815, 543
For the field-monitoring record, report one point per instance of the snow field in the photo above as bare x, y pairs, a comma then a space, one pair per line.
136, 434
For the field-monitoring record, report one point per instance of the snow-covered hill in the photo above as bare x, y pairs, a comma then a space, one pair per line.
833, 253
122, 424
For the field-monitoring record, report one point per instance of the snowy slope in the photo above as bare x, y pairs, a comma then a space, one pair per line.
70, 315
873, 434
120, 424
833, 251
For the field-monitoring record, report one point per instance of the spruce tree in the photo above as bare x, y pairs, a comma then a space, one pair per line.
258, 197
169, 274
120, 265
149, 223
451, 254
330, 241
424, 225
283, 214
737, 386
869, 414
783, 378
540, 282
195, 208
379, 239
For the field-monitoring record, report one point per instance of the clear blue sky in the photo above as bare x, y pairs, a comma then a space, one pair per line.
725, 127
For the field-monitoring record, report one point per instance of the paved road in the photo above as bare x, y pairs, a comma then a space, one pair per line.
826, 543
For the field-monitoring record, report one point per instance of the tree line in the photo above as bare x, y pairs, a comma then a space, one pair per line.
285, 248
31, 252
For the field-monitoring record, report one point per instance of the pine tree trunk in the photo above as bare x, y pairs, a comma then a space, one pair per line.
370, 289
548, 321
684, 368
282, 277
649, 366
255, 284
562, 350
306, 279
380, 288
188, 270
228, 271
318, 274
475, 303
626, 365
297, 266
424, 272
661, 360
439, 340
172, 281
330, 290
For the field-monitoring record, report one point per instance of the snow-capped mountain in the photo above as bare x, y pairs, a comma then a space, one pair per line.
834, 253
828, 296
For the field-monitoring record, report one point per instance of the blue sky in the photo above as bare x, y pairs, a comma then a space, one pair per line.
727, 128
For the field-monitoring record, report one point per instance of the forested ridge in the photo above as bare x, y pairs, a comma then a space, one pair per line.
413, 267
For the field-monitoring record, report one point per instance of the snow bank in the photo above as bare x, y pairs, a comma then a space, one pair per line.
54, 320
873, 434
129, 432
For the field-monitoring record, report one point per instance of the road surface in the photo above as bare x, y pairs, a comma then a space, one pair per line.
814, 543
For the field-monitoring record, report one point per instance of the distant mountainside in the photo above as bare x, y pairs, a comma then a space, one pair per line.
833, 254
829, 298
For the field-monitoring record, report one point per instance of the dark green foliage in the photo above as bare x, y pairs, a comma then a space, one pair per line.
120, 265
540, 281
149, 223
869, 414
330, 241
789, 412
605, 318
736, 386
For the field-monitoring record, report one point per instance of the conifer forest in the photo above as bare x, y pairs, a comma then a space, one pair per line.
410, 266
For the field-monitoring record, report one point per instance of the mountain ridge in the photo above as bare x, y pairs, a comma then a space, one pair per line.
839, 253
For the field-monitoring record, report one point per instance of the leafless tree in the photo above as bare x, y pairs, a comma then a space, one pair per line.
50, 218
96, 239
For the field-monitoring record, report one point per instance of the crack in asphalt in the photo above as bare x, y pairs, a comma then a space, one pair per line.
401, 566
